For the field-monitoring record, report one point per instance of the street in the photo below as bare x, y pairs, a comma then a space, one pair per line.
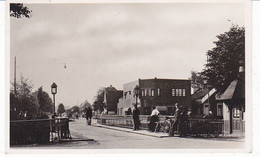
112, 139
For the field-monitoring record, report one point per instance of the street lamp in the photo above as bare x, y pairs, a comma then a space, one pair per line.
137, 89
53, 91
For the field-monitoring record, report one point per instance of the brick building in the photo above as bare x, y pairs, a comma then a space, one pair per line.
162, 93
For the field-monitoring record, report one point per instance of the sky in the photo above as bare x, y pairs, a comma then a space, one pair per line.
113, 44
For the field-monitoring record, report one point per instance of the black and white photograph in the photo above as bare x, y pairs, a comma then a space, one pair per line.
129, 76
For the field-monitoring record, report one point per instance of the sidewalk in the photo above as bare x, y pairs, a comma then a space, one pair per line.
140, 132
160, 134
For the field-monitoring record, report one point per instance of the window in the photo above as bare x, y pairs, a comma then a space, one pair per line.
236, 113
220, 109
158, 92
152, 92
145, 92
149, 92
173, 92
206, 109
178, 92
142, 92
183, 92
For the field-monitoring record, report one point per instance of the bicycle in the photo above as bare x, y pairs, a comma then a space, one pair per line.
163, 126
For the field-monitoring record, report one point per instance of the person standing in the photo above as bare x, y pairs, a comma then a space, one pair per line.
154, 119
136, 113
175, 122
89, 115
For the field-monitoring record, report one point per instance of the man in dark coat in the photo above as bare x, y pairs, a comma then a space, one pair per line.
89, 115
136, 114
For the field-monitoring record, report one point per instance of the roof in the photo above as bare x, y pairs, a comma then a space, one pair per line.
199, 94
166, 79
235, 90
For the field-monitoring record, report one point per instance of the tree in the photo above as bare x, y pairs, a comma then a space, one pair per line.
61, 108
84, 105
18, 10
197, 79
75, 109
98, 103
223, 59
24, 100
44, 101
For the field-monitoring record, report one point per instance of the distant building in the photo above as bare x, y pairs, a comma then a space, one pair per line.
111, 99
162, 93
128, 99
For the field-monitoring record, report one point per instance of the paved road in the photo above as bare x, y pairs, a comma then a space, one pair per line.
107, 138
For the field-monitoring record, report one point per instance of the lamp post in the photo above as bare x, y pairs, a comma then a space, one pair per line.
136, 93
53, 91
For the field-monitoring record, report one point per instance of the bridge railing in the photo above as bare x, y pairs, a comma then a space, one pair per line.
125, 121
39, 131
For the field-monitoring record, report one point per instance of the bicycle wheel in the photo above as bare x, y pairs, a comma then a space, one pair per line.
166, 127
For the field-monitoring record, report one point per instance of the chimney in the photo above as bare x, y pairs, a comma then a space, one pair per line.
241, 66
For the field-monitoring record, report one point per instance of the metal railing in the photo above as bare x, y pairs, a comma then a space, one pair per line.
40, 131
202, 125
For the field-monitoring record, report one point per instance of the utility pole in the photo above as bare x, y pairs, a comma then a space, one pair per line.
15, 76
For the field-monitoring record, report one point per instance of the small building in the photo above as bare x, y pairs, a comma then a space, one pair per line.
162, 93
233, 100
111, 99
204, 101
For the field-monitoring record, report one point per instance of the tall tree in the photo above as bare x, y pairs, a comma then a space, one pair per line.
223, 59
24, 99
98, 103
61, 109
44, 101
18, 10
197, 79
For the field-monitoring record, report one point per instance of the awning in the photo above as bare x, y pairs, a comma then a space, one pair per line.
162, 108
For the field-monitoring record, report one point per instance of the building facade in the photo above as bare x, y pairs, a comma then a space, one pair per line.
162, 93
128, 100
111, 99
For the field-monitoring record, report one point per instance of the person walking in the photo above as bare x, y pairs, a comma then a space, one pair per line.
154, 119
136, 113
89, 115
